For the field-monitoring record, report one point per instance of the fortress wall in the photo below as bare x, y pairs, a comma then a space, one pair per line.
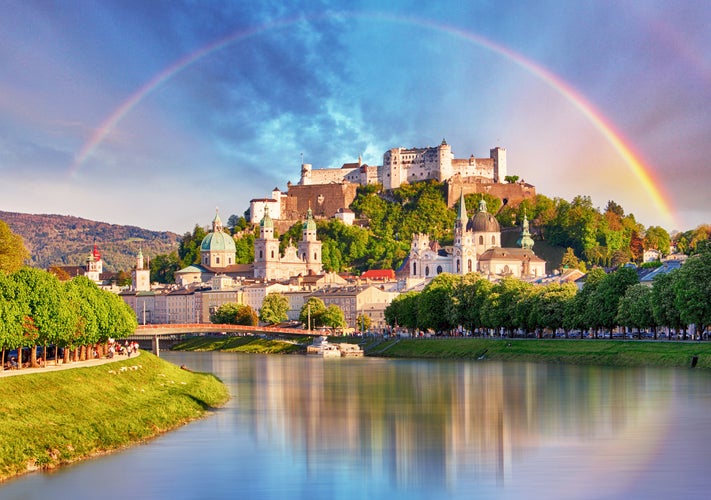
324, 199
515, 193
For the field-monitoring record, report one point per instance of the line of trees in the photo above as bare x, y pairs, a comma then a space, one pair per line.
36, 309
606, 301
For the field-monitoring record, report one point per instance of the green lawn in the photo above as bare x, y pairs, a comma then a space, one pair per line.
589, 352
48, 419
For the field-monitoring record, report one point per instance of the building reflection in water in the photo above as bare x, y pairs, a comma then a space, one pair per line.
436, 422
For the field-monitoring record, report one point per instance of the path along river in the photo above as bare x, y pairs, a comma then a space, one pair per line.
300, 427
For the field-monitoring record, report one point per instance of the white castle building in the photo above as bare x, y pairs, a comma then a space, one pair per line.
406, 165
477, 247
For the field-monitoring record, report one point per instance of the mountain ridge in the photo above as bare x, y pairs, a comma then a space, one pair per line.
66, 240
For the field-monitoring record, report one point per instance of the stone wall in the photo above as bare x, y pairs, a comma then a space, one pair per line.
324, 199
515, 193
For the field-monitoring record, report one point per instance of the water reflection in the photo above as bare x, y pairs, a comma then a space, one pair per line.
300, 427
454, 426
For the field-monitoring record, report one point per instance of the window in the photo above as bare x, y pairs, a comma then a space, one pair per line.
427, 271
458, 265
481, 240
493, 240
261, 256
414, 268
439, 269
469, 265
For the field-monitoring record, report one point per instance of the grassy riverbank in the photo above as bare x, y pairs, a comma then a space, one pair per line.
50, 419
580, 352
247, 343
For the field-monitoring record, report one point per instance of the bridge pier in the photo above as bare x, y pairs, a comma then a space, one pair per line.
155, 343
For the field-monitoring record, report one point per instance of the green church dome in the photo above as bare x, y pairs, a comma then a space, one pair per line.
217, 240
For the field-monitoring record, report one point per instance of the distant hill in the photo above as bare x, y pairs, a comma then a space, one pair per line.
66, 241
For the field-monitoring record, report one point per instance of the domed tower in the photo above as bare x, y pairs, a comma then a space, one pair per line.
525, 241
485, 228
218, 248
266, 249
310, 246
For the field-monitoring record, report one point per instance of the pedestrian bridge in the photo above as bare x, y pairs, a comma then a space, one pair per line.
155, 332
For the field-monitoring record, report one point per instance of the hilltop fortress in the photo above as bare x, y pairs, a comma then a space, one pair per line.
330, 191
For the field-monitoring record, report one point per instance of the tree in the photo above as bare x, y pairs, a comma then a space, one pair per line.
604, 301
570, 261
164, 267
363, 322
511, 179
435, 301
664, 301
274, 309
402, 311
657, 238
693, 291
189, 248
468, 301
333, 317
635, 308
550, 306
46, 316
13, 253
312, 312
232, 313
12, 311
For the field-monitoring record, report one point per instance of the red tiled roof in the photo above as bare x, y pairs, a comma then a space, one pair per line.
379, 274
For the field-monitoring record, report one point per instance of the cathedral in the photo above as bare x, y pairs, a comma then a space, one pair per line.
305, 259
476, 248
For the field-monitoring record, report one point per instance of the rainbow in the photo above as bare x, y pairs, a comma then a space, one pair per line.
643, 172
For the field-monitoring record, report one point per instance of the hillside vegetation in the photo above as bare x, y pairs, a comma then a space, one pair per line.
66, 241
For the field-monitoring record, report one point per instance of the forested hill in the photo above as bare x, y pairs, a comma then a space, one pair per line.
66, 241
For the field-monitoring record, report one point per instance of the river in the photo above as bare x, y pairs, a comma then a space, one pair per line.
302, 427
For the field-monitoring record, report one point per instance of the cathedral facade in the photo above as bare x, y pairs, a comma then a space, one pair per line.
476, 248
270, 264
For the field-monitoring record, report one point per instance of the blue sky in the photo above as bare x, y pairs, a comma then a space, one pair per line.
153, 113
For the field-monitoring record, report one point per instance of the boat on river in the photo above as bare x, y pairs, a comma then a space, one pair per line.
322, 347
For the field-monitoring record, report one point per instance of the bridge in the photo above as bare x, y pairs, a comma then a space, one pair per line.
154, 332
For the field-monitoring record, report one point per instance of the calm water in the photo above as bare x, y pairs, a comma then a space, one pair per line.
310, 428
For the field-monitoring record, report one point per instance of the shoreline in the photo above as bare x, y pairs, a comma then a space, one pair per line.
104, 406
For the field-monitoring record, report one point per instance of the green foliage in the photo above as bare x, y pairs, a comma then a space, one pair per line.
402, 311
232, 313
511, 179
13, 253
635, 307
435, 301
274, 309
164, 267
189, 248
657, 238
693, 290
311, 314
333, 317
363, 322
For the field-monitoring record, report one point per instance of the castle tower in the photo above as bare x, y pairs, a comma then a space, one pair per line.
305, 174
310, 247
499, 156
446, 170
266, 249
141, 277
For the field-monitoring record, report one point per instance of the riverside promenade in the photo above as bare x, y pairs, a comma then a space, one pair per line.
51, 367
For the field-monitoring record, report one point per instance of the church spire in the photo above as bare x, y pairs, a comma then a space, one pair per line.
462, 207
525, 241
